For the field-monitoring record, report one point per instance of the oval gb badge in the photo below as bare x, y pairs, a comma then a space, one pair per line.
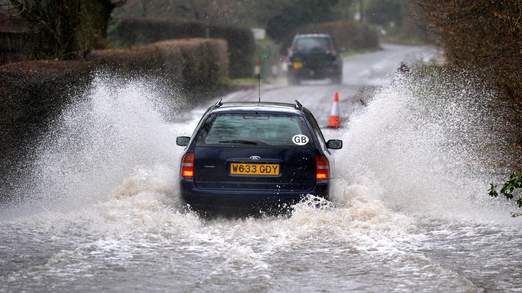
300, 139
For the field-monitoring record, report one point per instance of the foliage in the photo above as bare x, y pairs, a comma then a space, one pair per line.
267, 55
34, 93
348, 35
186, 63
67, 28
211, 12
485, 36
513, 183
245, 13
241, 43
386, 12
297, 14
345, 10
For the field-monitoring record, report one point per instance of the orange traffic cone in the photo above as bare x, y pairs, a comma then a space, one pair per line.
334, 121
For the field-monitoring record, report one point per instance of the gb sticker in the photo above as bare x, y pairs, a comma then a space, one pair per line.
300, 139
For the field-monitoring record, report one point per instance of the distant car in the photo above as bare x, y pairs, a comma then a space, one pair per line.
313, 56
252, 157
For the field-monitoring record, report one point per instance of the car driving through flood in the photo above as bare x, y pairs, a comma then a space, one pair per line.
313, 56
251, 157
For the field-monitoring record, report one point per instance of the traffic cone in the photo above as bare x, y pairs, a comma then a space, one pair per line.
334, 121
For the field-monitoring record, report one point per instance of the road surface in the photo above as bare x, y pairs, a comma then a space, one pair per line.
101, 210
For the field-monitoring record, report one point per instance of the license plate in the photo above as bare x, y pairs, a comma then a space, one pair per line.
254, 169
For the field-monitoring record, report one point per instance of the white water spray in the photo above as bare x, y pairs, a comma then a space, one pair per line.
426, 147
116, 133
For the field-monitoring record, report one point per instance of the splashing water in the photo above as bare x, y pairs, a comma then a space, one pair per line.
101, 210
115, 130
425, 149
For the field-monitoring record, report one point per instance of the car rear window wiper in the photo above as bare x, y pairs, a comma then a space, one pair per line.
241, 141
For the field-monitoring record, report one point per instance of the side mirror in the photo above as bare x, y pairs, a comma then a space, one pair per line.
182, 140
334, 144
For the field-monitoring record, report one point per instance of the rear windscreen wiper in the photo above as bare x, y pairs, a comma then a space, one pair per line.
240, 141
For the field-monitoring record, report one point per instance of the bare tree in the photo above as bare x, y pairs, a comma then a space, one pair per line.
68, 28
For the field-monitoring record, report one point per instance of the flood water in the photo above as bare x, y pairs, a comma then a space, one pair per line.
100, 211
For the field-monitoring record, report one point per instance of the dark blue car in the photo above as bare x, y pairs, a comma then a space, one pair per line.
313, 56
252, 157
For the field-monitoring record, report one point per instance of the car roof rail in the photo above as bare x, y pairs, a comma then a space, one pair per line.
298, 105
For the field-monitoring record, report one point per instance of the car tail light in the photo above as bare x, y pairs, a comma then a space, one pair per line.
322, 171
187, 166
296, 65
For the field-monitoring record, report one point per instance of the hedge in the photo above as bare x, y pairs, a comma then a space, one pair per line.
33, 93
241, 43
483, 36
188, 63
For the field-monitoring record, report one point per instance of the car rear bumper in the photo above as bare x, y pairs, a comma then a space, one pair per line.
316, 73
229, 201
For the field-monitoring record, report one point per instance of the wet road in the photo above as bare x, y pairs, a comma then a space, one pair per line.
101, 210
361, 75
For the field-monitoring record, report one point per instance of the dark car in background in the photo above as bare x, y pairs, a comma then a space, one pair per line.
252, 157
313, 56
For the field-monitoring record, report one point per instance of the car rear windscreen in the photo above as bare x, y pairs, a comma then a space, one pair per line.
256, 129
312, 43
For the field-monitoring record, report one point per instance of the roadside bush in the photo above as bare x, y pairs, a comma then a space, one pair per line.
32, 94
128, 61
484, 36
34, 89
509, 189
188, 63
241, 43
347, 35
267, 54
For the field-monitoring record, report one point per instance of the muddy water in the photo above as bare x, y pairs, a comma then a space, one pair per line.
100, 210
